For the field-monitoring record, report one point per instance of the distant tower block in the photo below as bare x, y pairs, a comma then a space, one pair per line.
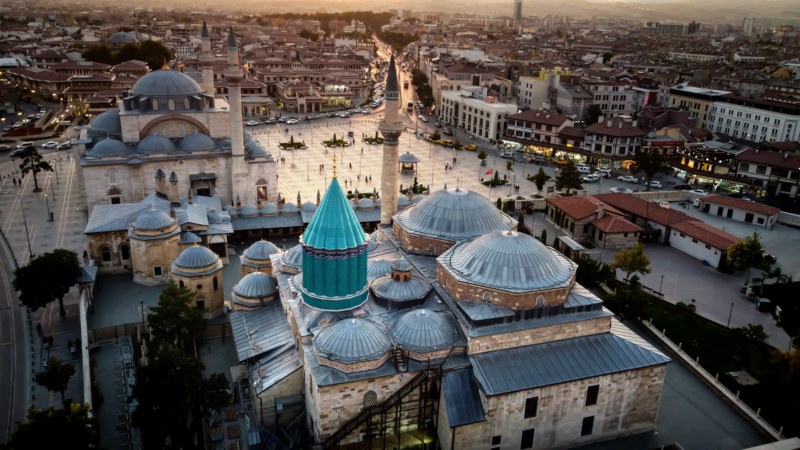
391, 128
517, 10
747, 26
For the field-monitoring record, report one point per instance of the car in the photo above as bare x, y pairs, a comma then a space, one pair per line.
655, 184
271, 120
64, 146
26, 144
251, 123
620, 190
343, 115
508, 154
537, 159
423, 118
73, 141
8, 128
292, 122
584, 169
4, 147
628, 179
448, 132
365, 111
312, 117
604, 172
25, 121
282, 119
18, 152
50, 144
591, 178
471, 147
698, 192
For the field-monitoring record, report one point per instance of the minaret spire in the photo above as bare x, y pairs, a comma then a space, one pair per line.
391, 127
207, 60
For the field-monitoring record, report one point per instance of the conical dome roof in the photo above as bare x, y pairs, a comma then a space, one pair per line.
261, 250
352, 340
423, 330
334, 226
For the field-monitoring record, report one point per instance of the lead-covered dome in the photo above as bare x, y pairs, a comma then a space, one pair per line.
196, 257
197, 142
292, 259
256, 285
509, 261
108, 148
352, 340
166, 83
378, 268
423, 331
155, 144
453, 214
261, 251
153, 220
106, 124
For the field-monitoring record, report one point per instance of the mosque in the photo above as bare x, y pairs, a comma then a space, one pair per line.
443, 328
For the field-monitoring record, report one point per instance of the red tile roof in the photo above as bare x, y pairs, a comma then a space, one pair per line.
738, 203
539, 116
643, 208
618, 128
786, 160
580, 207
612, 224
706, 233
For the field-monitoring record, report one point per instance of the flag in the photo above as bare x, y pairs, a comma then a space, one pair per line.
489, 172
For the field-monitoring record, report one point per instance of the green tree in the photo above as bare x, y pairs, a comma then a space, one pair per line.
753, 333
418, 77
746, 254
593, 114
626, 302
128, 52
482, 155
46, 278
457, 144
649, 163
436, 136
591, 272
509, 165
176, 319
99, 54
543, 237
632, 260
307, 34
521, 227
499, 203
540, 179
32, 163
569, 178
68, 427
55, 377
154, 54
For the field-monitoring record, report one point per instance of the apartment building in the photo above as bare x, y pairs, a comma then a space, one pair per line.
475, 112
753, 119
695, 100
613, 98
615, 139
771, 173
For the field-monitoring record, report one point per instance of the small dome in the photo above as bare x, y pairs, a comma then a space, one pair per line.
365, 203
378, 268
255, 285
197, 142
121, 37
509, 261
231, 210
403, 201
153, 220
408, 158
106, 123
196, 257
261, 250
418, 198
293, 258
166, 83
289, 208
352, 340
401, 265
248, 210
268, 209
214, 216
423, 331
256, 151
155, 144
187, 237
109, 147
400, 293
308, 207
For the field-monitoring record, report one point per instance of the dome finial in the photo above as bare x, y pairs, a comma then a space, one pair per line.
165, 66
334, 164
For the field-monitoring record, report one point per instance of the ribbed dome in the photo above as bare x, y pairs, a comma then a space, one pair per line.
187, 237
400, 293
423, 331
109, 147
248, 210
255, 285
231, 210
401, 265
197, 142
408, 158
365, 203
196, 257
153, 220
453, 214
289, 208
261, 250
166, 83
308, 207
107, 123
403, 201
378, 268
293, 257
352, 340
509, 261
122, 37
334, 226
154, 144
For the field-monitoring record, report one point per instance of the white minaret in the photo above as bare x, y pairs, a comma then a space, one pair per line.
207, 60
233, 76
391, 128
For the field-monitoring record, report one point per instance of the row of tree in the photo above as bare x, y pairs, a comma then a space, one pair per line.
155, 54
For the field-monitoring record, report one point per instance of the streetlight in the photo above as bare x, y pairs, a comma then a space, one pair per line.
52, 188
49, 215
661, 293
25, 221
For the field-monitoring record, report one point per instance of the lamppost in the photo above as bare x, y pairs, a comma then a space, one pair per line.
731, 314
660, 292
25, 221
52, 188
46, 202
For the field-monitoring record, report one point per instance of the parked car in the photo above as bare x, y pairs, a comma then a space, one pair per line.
605, 173
423, 118
699, 191
471, 147
26, 144
292, 122
628, 179
655, 184
583, 169
508, 154
251, 123
271, 120
64, 146
50, 144
448, 132
620, 190
537, 159
591, 178
18, 152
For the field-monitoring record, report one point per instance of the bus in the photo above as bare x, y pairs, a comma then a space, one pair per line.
410, 106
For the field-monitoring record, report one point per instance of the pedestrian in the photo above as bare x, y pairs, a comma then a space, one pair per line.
15, 181
351, 166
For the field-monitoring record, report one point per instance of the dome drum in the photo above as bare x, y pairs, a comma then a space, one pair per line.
292, 260
196, 261
352, 345
253, 291
424, 334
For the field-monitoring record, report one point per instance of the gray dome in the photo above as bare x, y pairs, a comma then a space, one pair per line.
423, 331
248, 210
122, 37
401, 265
352, 340
289, 208
107, 123
109, 147
308, 207
166, 83
261, 250
293, 257
255, 285
153, 220
408, 158
196, 257
403, 201
378, 268
268, 209
197, 142
365, 203
154, 144
231, 210
400, 293
509, 261
453, 214
187, 237
214, 216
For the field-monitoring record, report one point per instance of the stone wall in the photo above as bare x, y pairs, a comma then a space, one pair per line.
420, 244
618, 240
113, 240
627, 403
217, 122
203, 287
148, 254
352, 367
265, 401
540, 335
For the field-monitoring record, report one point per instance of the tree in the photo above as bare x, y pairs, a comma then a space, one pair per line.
46, 278
509, 165
593, 114
626, 302
746, 254
176, 318
540, 179
632, 260
482, 155
543, 237
521, 227
128, 52
99, 54
54, 427
55, 377
591, 272
307, 34
154, 54
569, 178
649, 163
753, 333
32, 163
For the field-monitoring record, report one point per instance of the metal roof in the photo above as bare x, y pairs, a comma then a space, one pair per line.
580, 296
152, 220
187, 237
509, 261
196, 257
408, 158
454, 214
388, 288
261, 250
334, 226
107, 123
166, 83
197, 142
274, 366
257, 285
557, 362
259, 331
192, 213
423, 330
293, 257
352, 340
378, 268
478, 311
391, 78
154, 144
266, 222
88, 274
109, 147
461, 398
105, 218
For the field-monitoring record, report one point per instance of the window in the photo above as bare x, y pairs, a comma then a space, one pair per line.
591, 394
761, 169
158, 271
496, 440
370, 399
125, 251
586, 427
744, 167
216, 284
527, 439
106, 254
531, 407
199, 287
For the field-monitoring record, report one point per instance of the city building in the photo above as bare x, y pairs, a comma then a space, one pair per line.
538, 131
476, 113
613, 141
747, 26
586, 217
754, 119
769, 172
695, 100
517, 10
739, 209
613, 98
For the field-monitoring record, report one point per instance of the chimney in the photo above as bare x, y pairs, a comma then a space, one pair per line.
785, 155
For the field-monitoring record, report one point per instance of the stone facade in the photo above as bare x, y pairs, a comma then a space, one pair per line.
152, 259
615, 240
291, 385
352, 367
207, 286
421, 245
492, 342
107, 251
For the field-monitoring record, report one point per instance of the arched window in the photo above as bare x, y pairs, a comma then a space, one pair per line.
487, 296
370, 399
199, 287
397, 277
540, 301
216, 284
155, 104
125, 251
171, 104
180, 283
105, 252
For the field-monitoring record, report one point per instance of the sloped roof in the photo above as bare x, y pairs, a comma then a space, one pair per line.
105, 218
613, 224
758, 208
706, 233
461, 398
539, 116
259, 331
